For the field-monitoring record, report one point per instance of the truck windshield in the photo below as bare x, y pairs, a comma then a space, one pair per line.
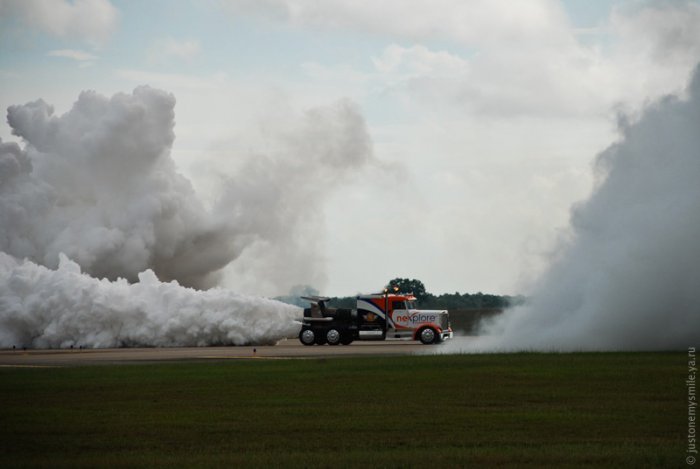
403, 304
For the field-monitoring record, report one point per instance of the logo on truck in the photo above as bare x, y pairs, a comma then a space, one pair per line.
406, 319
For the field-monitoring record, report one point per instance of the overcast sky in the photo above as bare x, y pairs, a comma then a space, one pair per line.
484, 117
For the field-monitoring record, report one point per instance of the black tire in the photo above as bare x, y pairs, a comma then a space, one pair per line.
333, 337
428, 336
346, 339
307, 337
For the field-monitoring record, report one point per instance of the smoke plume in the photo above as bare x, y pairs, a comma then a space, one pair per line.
97, 188
277, 208
629, 276
99, 185
46, 308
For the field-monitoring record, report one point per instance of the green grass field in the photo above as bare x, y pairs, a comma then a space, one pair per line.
555, 410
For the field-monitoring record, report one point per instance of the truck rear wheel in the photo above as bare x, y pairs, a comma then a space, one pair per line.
307, 337
346, 339
428, 336
333, 337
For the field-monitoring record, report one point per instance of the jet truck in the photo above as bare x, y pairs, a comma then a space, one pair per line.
377, 317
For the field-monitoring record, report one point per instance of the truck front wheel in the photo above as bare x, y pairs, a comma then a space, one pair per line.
307, 337
428, 336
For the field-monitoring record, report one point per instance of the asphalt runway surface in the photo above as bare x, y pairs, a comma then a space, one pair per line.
286, 349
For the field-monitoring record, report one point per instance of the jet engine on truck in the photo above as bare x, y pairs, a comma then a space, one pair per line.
377, 317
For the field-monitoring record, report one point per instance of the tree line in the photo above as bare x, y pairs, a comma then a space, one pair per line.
425, 299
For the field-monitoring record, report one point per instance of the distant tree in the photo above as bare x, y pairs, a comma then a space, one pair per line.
406, 285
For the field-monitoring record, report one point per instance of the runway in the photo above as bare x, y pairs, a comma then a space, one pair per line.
286, 349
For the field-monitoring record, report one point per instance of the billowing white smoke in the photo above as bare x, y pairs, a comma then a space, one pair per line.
277, 207
47, 308
98, 186
629, 277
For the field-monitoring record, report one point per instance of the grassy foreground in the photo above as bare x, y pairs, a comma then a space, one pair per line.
556, 410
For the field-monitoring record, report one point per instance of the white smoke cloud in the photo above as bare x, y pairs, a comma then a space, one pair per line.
627, 279
98, 185
306, 161
103, 189
46, 308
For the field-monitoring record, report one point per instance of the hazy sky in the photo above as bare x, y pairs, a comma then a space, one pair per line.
484, 117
